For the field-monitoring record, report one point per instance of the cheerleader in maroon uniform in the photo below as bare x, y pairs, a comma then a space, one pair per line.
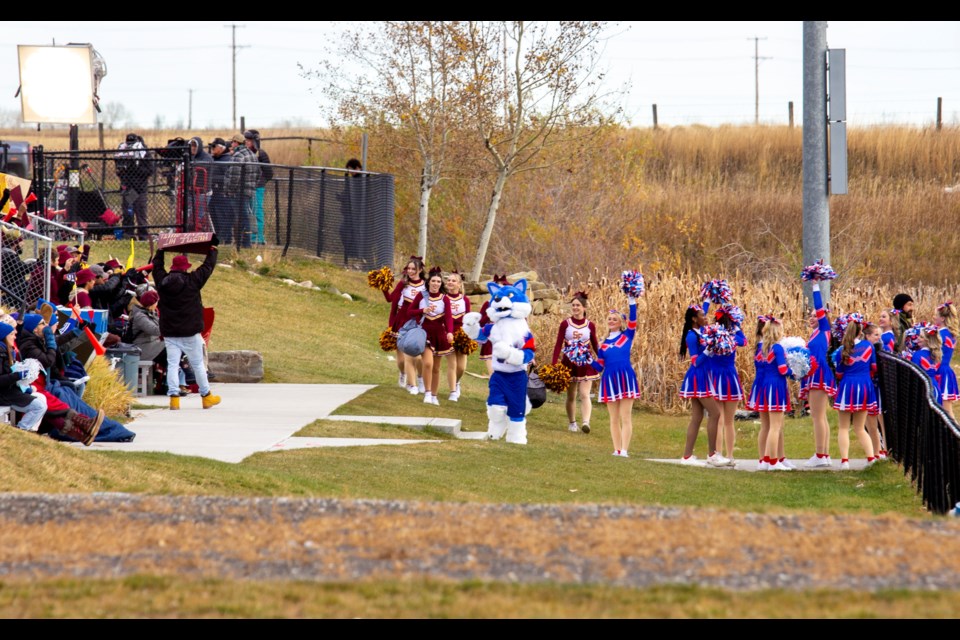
410, 285
433, 306
576, 337
459, 305
696, 388
856, 362
486, 349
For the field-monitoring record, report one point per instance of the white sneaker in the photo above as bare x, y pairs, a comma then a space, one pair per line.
717, 460
573, 428
616, 453
844, 466
454, 396
788, 464
420, 386
692, 460
763, 465
731, 462
779, 466
458, 388
413, 391
623, 454
402, 380
813, 462
870, 463
435, 401
426, 399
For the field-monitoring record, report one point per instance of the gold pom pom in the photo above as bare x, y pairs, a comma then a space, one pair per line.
556, 377
462, 343
388, 340
381, 278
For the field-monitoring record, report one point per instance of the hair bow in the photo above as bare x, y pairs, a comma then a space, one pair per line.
695, 307
581, 294
417, 258
946, 304
435, 270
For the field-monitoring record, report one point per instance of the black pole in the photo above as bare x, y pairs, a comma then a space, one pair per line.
73, 182
286, 244
323, 184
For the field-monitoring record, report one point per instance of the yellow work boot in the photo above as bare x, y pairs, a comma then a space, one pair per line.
174, 403
210, 400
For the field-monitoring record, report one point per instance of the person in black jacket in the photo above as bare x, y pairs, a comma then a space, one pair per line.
181, 319
134, 167
266, 175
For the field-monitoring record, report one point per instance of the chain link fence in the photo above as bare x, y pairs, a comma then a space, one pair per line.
25, 259
921, 436
343, 217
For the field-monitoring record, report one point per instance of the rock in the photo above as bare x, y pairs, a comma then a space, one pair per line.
288, 281
529, 275
551, 306
346, 296
547, 294
236, 366
306, 284
537, 306
477, 301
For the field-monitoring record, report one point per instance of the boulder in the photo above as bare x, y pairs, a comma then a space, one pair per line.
537, 306
235, 366
529, 275
551, 306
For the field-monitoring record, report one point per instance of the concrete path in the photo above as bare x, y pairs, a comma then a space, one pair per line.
256, 417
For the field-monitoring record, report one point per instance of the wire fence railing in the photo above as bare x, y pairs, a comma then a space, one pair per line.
344, 217
921, 436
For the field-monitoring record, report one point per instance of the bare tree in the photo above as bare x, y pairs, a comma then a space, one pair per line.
409, 80
114, 114
533, 85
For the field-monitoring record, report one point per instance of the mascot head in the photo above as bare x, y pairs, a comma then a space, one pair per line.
508, 301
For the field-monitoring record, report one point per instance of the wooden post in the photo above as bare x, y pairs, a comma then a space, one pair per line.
790, 112
939, 113
654, 116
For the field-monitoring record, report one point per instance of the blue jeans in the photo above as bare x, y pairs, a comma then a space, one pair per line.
192, 347
32, 412
110, 429
258, 209
247, 220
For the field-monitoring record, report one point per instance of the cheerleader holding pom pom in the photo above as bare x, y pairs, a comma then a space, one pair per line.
856, 362
722, 340
930, 356
948, 325
576, 343
433, 306
771, 396
696, 388
819, 384
463, 346
410, 285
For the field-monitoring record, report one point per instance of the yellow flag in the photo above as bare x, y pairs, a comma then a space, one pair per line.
130, 258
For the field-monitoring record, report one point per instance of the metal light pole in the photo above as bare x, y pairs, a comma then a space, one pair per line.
816, 208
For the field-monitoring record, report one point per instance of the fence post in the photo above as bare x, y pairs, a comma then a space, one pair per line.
320, 216
276, 206
790, 112
654, 116
939, 113
286, 244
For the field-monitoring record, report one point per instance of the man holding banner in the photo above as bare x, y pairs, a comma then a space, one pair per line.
181, 315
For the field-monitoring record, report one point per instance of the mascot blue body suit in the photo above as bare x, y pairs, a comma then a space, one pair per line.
513, 351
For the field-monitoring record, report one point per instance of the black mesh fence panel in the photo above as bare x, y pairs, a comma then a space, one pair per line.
921, 436
347, 219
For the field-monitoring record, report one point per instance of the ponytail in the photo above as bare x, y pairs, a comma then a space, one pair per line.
850, 336
687, 327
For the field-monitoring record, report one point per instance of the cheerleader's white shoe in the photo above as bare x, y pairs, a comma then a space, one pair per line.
454, 395
435, 401
402, 381
413, 391
420, 386
426, 399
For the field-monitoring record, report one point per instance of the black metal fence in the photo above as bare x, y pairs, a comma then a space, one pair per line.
921, 436
345, 218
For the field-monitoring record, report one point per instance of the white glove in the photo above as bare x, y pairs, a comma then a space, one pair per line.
502, 350
631, 300
471, 324
816, 285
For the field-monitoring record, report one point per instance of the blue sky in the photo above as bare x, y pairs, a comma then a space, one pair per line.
695, 72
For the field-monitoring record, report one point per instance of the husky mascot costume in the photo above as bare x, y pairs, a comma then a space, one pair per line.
513, 350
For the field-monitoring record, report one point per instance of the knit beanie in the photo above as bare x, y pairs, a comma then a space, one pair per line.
31, 320
901, 299
148, 298
5, 329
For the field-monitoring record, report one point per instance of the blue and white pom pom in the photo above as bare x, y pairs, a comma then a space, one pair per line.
911, 337
717, 341
631, 283
818, 272
578, 353
797, 355
716, 291
734, 312
31, 366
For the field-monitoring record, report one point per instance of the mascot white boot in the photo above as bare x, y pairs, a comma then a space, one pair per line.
513, 351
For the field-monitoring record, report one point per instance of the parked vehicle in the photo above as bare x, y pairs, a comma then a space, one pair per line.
16, 157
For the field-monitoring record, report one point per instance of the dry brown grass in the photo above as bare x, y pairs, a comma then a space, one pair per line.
106, 389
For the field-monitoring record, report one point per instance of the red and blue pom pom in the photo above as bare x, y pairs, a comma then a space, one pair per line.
716, 291
718, 341
734, 312
841, 323
578, 353
818, 272
631, 283
911, 337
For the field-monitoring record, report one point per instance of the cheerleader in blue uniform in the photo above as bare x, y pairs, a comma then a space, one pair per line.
754, 399
855, 364
930, 357
949, 326
618, 380
725, 384
875, 428
696, 388
819, 385
771, 397
890, 330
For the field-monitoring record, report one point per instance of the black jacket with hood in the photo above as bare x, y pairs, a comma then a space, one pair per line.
180, 306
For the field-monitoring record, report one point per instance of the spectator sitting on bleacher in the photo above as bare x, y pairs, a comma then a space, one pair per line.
66, 275
32, 405
144, 332
85, 280
38, 340
106, 286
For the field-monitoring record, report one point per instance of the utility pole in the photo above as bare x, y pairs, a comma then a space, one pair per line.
190, 110
816, 207
234, 47
756, 78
